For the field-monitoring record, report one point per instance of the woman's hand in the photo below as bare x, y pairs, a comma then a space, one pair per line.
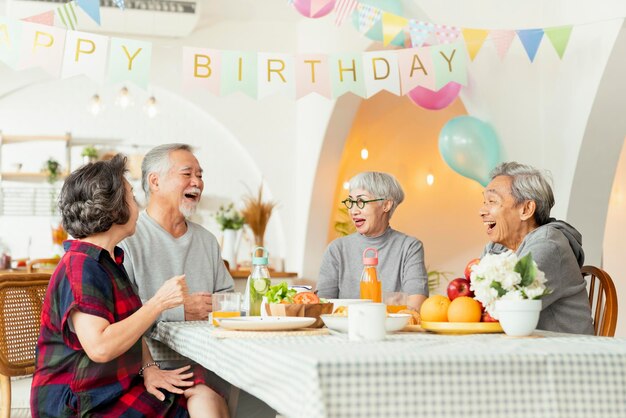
172, 293
169, 380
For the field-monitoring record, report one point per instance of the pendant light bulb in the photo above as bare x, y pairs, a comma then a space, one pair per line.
364, 153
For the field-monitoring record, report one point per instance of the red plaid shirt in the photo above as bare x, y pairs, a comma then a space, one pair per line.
66, 382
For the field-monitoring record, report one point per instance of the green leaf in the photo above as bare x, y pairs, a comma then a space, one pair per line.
499, 288
527, 269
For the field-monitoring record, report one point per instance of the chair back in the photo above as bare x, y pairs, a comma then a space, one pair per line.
43, 265
21, 299
602, 300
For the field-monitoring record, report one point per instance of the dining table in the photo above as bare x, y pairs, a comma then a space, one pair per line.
415, 374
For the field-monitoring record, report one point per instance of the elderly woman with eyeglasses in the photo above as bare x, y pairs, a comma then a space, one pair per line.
373, 198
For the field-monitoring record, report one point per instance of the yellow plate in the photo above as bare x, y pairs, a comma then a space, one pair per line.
462, 327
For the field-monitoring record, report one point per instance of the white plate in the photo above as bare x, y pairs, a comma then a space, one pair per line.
267, 323
394, 322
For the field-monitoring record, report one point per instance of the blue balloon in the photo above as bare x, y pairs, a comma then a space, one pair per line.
470, 147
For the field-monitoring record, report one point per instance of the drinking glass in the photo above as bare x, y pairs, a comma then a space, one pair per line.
395, 301
226, 305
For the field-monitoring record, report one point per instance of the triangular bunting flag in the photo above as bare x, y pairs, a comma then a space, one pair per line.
376, 32
474, 39
559, 37
502, 40
531, 38
343, 9
368, 16
446, 34
392, 26
120, 4
401, 40
91, 7
67, 16
46, 18
419, 32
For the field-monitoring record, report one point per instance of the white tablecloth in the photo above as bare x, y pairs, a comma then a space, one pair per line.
417, 374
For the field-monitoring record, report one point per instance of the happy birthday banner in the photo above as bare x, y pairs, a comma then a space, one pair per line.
68, 53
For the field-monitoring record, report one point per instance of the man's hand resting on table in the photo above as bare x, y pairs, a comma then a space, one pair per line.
197, 306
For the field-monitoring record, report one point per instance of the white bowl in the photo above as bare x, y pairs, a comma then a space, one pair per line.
394, 322
345, 302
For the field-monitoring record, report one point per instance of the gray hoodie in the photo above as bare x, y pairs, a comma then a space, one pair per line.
557, 249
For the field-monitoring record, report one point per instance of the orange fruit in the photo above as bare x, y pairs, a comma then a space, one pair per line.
464, 309
435, 309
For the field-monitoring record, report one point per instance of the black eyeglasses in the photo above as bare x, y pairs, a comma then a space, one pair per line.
360, 203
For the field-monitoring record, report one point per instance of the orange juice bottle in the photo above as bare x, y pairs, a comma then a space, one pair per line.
371, 287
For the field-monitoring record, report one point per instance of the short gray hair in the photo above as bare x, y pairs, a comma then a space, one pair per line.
528, 183
157, 160
380, 185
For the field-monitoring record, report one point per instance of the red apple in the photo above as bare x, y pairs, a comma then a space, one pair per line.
468, 267
487, 318
459, 287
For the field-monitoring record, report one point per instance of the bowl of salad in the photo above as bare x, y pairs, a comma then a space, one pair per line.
283, 301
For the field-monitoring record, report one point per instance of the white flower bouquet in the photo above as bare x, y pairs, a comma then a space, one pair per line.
505, 276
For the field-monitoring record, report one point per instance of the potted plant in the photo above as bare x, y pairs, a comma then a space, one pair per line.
510, 288
231, 222
257, 214
89, 154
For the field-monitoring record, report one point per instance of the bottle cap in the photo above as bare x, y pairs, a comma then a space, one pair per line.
370, 261
263, 260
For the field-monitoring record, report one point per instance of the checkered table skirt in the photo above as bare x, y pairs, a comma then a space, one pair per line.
417, 374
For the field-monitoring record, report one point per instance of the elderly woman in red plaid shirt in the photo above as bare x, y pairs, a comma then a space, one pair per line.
91, 357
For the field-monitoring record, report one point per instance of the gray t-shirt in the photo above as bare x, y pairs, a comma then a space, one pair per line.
557, 249
400, 265
152, 256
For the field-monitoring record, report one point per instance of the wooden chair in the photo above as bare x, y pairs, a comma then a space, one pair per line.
602, 300
41, 265
21, 299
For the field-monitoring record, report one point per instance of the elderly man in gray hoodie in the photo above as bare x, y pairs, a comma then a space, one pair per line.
516, 215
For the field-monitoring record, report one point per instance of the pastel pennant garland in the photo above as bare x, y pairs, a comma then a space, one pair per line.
86, 53
368, 16
530, 38
392, 27
559, 38
312, 75
474, 39
46, 18
239, 73
446, 34
416, 69
129, 60
450, 63
42, 46
343, 10
275, 75
420, 31
317, 5
502, 40
347, 74
67, 16
202, 69
91, 7
380, 69
10, 35
376, 32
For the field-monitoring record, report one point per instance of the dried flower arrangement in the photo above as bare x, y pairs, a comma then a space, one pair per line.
257, 214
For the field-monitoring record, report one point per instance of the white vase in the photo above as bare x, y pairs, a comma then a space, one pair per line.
518, 318
230, 246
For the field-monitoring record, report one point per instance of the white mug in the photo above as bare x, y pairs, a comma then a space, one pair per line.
366, 322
